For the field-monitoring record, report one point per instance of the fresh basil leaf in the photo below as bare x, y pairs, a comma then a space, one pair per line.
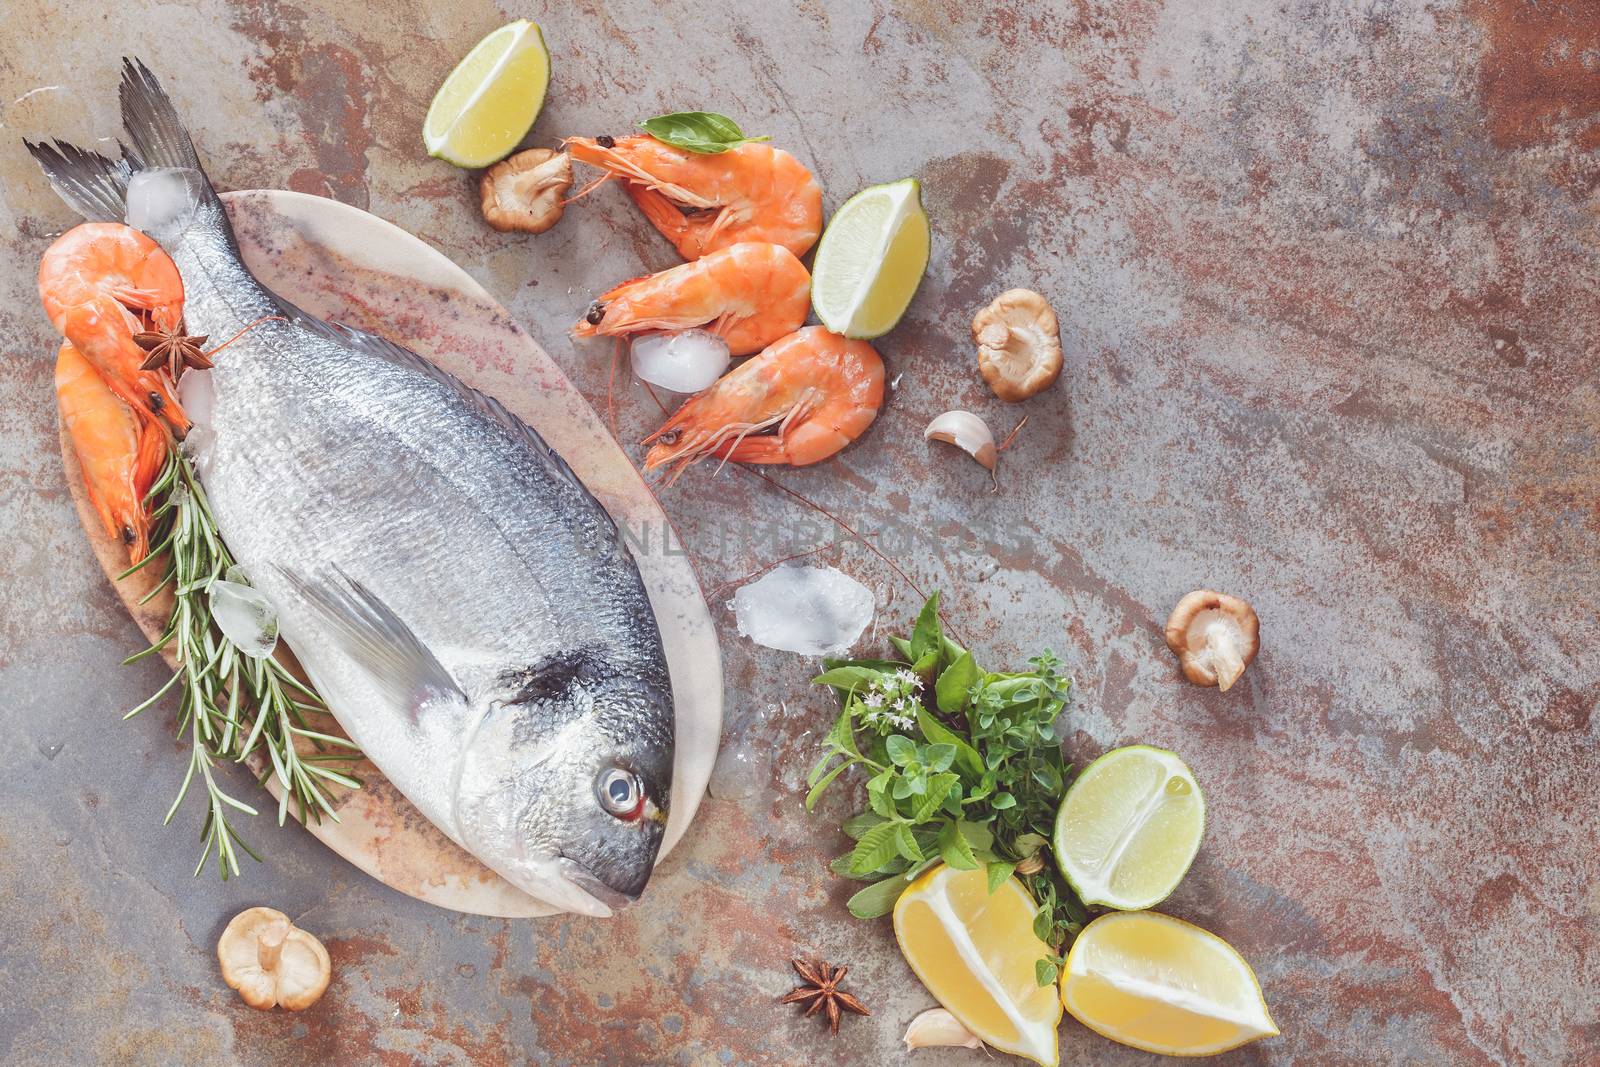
938, 789
977, 835
955, 849
843, 733
939, 757
954, 682
949, 650
880, 802
952, 803
705, 132
848, 677
902, 789
820, 768
928, 635
878, 898
1002, 801
906, 844
882, 666
823, 783
841, 867
1044, 971
999, 871
900, 749
876, 847
857, 825
940, 734
902, 646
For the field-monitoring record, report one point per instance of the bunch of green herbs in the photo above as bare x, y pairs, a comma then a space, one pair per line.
230, 704
964, 767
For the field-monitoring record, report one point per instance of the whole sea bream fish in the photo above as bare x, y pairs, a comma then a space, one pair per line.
462, 602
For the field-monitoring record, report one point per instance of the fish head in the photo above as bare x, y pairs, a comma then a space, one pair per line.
565, 786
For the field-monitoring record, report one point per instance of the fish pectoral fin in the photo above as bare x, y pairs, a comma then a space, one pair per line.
369, 632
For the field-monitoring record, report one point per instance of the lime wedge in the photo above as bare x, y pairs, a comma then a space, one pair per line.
871, 259
1129, 828
489, 102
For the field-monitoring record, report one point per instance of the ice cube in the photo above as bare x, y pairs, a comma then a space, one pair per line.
162, 201
740, 771
683, 362
197, 394
814, 611
245, 616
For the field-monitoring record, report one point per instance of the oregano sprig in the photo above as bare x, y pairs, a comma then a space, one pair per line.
962, 765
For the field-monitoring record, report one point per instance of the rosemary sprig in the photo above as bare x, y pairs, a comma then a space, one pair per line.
229, 703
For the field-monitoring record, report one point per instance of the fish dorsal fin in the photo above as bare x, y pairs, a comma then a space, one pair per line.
371, 634
491, 408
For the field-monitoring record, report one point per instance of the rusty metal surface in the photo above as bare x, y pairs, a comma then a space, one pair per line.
1327, 280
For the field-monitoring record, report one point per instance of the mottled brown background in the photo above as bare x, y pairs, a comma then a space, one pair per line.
1327, 279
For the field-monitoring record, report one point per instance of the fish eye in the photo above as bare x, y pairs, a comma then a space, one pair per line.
620, 792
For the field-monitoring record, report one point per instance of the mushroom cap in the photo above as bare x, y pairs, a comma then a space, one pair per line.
526, 191
1019, 344
272, 962
1202, 620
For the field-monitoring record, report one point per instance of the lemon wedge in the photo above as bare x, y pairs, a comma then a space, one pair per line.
1129, 828
871, 259
1162, 985
490, 101
975, 951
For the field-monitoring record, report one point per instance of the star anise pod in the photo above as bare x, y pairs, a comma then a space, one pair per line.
174, 348
821, 989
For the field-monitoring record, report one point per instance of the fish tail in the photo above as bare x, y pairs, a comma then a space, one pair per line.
158, 136
96, 186
93, 185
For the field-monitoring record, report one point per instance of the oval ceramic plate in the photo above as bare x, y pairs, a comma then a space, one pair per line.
345, 265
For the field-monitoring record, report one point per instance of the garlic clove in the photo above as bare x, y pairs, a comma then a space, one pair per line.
937, 1027
967, 432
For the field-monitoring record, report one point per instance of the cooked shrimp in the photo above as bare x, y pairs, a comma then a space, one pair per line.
705, 202
815, 390
96, 282
751, 294
119, 452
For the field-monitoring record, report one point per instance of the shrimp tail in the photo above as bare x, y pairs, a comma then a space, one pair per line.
96, 186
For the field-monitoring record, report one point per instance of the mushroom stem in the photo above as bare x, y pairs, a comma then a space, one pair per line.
1215, 636
1222, 648
269, 943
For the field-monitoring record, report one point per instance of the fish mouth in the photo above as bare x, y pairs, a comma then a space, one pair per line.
583, 878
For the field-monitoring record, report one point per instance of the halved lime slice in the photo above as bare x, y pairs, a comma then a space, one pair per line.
490, 101
1129, 828
871, 259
